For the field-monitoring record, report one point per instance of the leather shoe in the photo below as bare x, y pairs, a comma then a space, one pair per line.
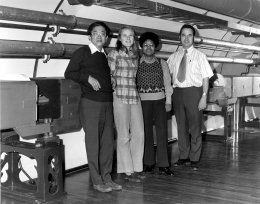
114, 186
133, 177
140, 175
166, 171
102, 188
149, 168
182, 162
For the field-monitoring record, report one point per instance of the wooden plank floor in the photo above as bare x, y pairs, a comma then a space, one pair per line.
229, 173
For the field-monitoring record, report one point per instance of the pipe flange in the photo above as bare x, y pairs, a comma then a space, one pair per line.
74, 24
74, 18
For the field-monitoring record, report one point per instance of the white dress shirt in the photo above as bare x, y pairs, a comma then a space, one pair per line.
197, 68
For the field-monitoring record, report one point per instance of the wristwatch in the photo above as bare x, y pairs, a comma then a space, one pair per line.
204, 94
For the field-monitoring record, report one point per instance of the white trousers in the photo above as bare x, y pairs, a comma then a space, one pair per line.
130, 136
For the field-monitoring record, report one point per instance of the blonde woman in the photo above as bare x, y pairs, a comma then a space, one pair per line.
123, 62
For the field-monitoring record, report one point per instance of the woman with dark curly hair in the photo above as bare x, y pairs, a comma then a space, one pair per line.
154, 87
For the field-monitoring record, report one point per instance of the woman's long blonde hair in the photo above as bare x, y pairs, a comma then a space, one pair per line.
120, 46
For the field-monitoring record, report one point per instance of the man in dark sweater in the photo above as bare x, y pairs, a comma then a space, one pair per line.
89, 67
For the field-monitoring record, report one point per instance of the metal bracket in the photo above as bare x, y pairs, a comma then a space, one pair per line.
55, 30
46, 57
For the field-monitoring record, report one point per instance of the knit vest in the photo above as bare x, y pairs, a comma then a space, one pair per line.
149, 78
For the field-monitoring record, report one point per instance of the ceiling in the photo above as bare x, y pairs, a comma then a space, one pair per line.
201, 20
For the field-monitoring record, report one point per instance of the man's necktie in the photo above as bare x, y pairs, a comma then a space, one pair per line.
182, 68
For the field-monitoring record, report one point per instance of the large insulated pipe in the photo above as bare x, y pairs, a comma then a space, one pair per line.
232, 60
68, 21
37, 17
61, 51
242, 9
27, 48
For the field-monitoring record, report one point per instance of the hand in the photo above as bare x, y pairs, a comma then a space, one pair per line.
168, 107
113, 81
94, 83
203, 103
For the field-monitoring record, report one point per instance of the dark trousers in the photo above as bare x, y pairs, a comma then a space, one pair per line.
155, 114
97, 121
189, 121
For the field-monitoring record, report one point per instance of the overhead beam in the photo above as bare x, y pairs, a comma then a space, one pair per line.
160, 10
247, 29
180, 15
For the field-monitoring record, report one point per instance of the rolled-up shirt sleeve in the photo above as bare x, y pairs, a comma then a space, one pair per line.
206, 70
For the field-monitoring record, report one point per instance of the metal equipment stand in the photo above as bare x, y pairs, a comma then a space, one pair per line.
49, 156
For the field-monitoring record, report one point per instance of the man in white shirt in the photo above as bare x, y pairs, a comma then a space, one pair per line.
190, 73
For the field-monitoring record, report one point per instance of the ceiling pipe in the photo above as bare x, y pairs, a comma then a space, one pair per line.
37, 17
222, 43
165, 55
68, 21
199, 41
64, 51
246, 10
27, 48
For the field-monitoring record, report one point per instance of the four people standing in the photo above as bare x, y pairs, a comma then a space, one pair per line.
133, 113
190, 73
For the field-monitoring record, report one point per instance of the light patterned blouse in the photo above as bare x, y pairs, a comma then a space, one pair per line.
123, 69
197, 68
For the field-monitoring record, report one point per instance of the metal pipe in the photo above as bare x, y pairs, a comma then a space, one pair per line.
70, 22
29, 16
165, 55
209, 41
65, 51
177, 43
14, 47
41, 28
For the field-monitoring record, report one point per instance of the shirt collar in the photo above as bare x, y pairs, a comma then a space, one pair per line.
94, 49
189, 50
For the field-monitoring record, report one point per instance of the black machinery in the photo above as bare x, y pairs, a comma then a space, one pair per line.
38, 109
